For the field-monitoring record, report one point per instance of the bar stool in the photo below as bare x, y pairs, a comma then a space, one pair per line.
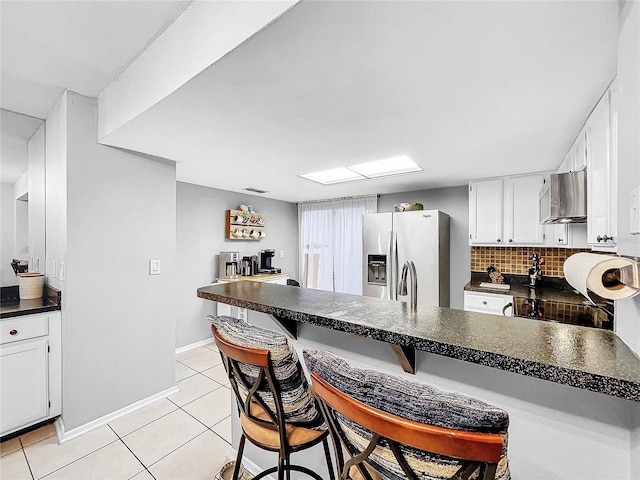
386, 426
277, 410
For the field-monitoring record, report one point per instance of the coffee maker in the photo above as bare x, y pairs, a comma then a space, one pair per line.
229, 265
247, 267
265, 262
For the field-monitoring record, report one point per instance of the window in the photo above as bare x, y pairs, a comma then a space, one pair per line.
330, 239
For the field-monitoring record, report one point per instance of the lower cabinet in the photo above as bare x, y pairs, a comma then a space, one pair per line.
30, 370
493, 303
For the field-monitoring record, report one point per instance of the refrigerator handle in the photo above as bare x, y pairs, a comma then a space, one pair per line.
393, 265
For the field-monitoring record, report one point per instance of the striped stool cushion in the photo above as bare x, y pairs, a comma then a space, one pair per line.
415, 401
297, 400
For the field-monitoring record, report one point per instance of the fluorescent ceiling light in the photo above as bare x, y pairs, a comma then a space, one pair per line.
376, 169
335, 175
389, 166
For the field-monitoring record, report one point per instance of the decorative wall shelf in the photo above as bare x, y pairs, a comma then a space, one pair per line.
244, 226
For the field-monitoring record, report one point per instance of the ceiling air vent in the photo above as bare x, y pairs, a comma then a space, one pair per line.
256, 190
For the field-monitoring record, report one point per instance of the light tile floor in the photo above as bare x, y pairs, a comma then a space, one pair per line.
183, 436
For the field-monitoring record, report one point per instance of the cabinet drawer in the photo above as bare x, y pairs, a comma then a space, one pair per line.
486, 302
22, 328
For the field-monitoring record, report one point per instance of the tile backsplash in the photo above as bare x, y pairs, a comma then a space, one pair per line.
516, 260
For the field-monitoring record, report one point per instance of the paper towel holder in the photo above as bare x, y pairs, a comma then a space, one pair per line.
629, 274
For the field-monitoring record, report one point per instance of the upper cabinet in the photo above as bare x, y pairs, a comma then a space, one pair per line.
601, 129
576, 158
504, 211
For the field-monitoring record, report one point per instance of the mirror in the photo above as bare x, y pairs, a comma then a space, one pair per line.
22, 195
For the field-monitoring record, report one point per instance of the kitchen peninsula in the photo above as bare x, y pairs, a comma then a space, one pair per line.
545, 375
581, 357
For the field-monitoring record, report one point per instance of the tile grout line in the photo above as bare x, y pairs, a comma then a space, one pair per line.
77, 459
132, 452
24, 454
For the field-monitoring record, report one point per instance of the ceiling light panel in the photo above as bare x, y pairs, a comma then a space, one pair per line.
388, 166
335, 175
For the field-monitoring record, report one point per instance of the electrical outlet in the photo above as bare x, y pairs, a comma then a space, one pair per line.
242, 314
61, 272
281, 253
155, 266
55, 269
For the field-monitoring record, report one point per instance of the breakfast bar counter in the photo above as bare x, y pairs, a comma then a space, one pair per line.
572, 393
581, 357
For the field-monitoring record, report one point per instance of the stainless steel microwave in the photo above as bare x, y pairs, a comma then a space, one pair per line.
563, 198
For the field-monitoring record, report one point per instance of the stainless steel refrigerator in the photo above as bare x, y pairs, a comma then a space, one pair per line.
393, 239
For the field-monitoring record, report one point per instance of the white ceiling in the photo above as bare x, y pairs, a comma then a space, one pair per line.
48, 46
466, 89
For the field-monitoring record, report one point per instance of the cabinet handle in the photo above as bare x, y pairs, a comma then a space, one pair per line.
498, 240
604, 238
13, 332
510, 240
484, 302
560, 240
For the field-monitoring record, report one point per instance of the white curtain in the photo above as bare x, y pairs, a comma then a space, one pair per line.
330, 239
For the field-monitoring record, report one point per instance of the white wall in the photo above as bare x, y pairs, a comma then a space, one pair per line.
200, 238
118, 321
453, 201
628, 311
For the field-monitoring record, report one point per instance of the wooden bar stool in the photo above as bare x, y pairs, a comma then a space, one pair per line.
277, 410
384, 426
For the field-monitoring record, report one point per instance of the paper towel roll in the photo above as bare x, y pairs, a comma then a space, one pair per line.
585, 271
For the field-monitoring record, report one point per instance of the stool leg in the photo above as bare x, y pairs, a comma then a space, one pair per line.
281, 466
236, 470
327, 456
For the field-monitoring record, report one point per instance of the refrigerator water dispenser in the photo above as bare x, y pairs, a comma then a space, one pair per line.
377, 269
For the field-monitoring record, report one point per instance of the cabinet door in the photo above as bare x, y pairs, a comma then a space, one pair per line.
485, 212
521, 210
24, 383
488, 303
580, 151
600, 176
557, 234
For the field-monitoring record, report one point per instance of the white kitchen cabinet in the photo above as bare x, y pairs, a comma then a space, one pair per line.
492, 303
602, 174
576, 158
30, 370
504, 211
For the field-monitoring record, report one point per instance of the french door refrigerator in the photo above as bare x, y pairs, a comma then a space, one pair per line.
394, 238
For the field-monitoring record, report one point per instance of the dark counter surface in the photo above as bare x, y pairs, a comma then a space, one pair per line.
551, 289
12, 306
586, 358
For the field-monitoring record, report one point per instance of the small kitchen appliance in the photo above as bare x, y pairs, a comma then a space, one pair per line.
229, 266
246, 267
265, 262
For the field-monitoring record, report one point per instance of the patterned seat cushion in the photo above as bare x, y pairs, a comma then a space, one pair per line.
415, 401
298, 402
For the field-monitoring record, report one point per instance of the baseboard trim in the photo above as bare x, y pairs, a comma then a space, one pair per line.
248, 465
191, 346
66, 435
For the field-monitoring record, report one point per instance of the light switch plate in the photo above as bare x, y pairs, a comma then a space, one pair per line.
634, 224
155, 266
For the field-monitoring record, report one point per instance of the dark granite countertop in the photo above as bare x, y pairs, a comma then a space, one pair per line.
12, 306
586, 358
551, 290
